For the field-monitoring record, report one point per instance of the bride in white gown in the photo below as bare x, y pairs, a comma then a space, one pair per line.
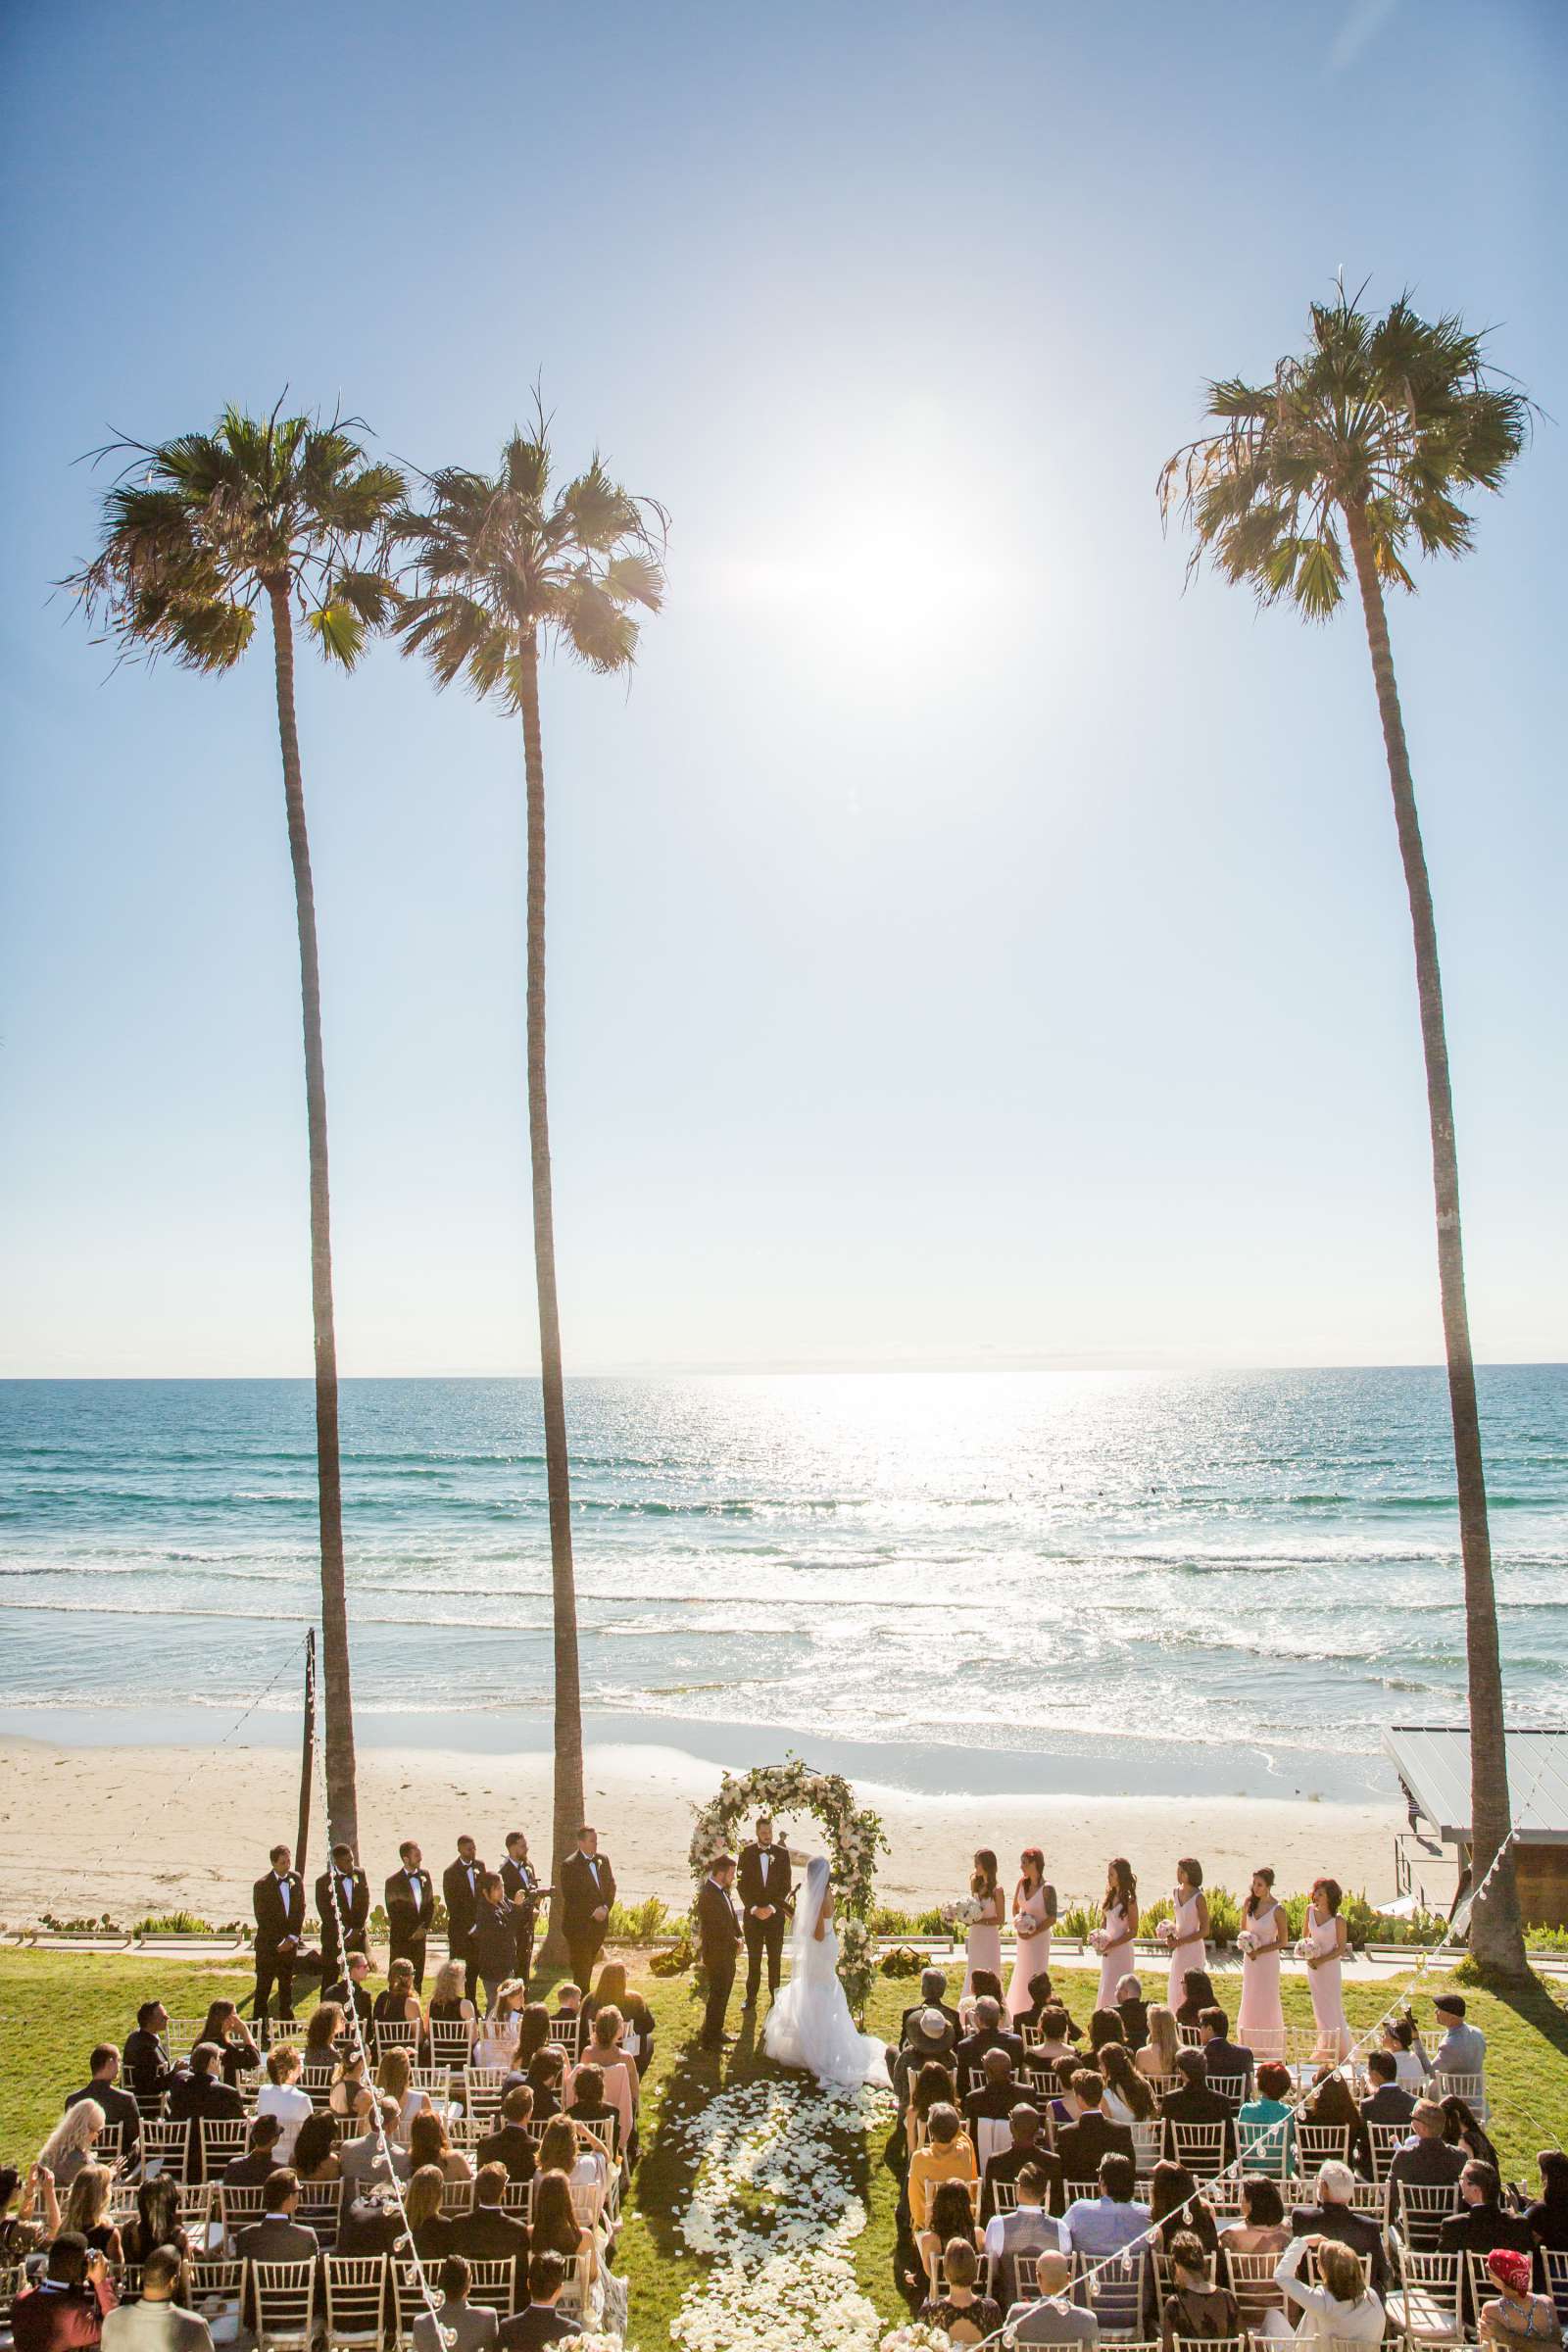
810, 2022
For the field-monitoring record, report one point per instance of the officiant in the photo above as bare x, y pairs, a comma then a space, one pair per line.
767, 1895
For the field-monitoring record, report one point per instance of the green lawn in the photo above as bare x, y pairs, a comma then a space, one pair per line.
54, 2006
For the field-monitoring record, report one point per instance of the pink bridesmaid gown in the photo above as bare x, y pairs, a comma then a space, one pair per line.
1114, 1965
1328, 1995
1186, 1952
1032, 1955
982, 1949
1261, 2024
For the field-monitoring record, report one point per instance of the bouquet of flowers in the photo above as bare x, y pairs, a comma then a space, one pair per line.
1246, 1943
1304, 1947
1165, 1933
963, 1914
1099, 1937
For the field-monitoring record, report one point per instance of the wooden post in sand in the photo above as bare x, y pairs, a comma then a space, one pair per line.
308, 1757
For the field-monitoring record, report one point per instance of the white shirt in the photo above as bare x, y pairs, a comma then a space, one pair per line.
1324, 2319
1027, 2230
416, 1887
291, 2106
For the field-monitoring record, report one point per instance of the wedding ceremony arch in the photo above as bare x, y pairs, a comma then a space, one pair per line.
852, 1837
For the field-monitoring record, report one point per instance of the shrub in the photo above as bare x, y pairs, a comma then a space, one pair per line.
1079, 1919
674, 1960
902, 1961
638, 1923
1224, 1915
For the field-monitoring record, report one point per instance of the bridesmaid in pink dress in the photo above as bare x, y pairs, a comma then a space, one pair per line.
1118, 1913
1327, 1943
1189, 1926
1034, 1914
982, 1947
1260, 2025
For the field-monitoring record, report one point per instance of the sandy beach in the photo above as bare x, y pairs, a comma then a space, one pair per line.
137, 1828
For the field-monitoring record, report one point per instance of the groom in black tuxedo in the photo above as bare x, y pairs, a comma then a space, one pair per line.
353, 1901
587, 1893
766, 1896
277, 1901
719, 1932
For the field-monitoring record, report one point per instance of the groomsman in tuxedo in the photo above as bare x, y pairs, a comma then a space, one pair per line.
459, 1890
719, 1933
279, 1903
765, 1890
353, 1901
520, 1885
410, 1910
587, 1891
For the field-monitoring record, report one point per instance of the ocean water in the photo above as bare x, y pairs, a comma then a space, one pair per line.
1227, 1579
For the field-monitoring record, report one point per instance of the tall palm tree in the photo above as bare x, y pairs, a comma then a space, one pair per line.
197, 532
1379, 427
500, 567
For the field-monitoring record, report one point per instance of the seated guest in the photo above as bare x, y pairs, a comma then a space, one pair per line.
155, 2221
950, 2215
1517, 2316
1003, 2168
260, 2161
1080, 2145
494, 2040
1055, 2318
1266, 2131
927, 2041
70, 2144
1463, 2047
1226, 2062
398, 2005
1262, 2227
88, 2212
1055, 2049
1410, 2065
933, 1996
563, 2148
279, 2235
351, 1990
1194, 2306
457, 2324
1426, 2161
429, 2226
394, 2079
1013, 2239
1198, 1995
566, 2022
963, 2316
620, 2084
23, 2230
947, 2155
510, 2144
1386, 2102
450, 2004
370, 2223
547, 2074
932, 2087
1332, 2217
157, 2321
1196, 2104
350, 2097
1128, 2096
118, 2105
988, 2035
148, 2066
315, 2151
1104, 2026
1341, 2308
1158, 2054
1108, 2221
541, 2323
985, 1986
1462, 2129
589, 2105
1548, 2215
1174, 2205
1480, 2225
375, 2155
1133, 2010
487, 2233
329, 2023
197, 2091
225, 2028
428, 2144
554, 2227
996, 2096
280, 2095
67, 2311
533, 2032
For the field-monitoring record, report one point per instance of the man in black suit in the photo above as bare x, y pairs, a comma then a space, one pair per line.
279, 2235
459, 1891
1388, 2101
279, 1903
1133, 2010
148, 2066
1433, 2163
933, 1996
487, 2233
353, 1899
763, 1881
1226, 2062
118, 2105
543, 2323
258, 2163
996, 2096
719, 1932
1080, 2146
198, 2093
510, 2146
1003, 2168
1480, 2223
1194, 2103
988, 2035
410, 1910
349, 1992
520, 1886
1333, 2216
587, 1891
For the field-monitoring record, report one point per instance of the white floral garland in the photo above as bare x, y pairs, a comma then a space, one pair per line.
771, 2208
855, 1840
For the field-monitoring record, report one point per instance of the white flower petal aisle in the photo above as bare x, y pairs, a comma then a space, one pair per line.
773, 2207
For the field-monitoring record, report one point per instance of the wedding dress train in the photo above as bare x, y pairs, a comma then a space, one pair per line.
810, 2022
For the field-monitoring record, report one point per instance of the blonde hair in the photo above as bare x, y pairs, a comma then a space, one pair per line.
422, 2199
400, 1978
89, 2194
1163, 2038
451, 1982
608, 2023
393, 2073
75, 2132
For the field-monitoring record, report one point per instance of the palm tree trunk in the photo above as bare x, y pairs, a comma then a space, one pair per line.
568, 1775
1495, 1932
342, 1801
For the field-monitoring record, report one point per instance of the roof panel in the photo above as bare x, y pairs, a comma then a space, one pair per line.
1434, 1762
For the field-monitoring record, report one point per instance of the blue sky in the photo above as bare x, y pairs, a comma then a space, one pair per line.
964, 947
